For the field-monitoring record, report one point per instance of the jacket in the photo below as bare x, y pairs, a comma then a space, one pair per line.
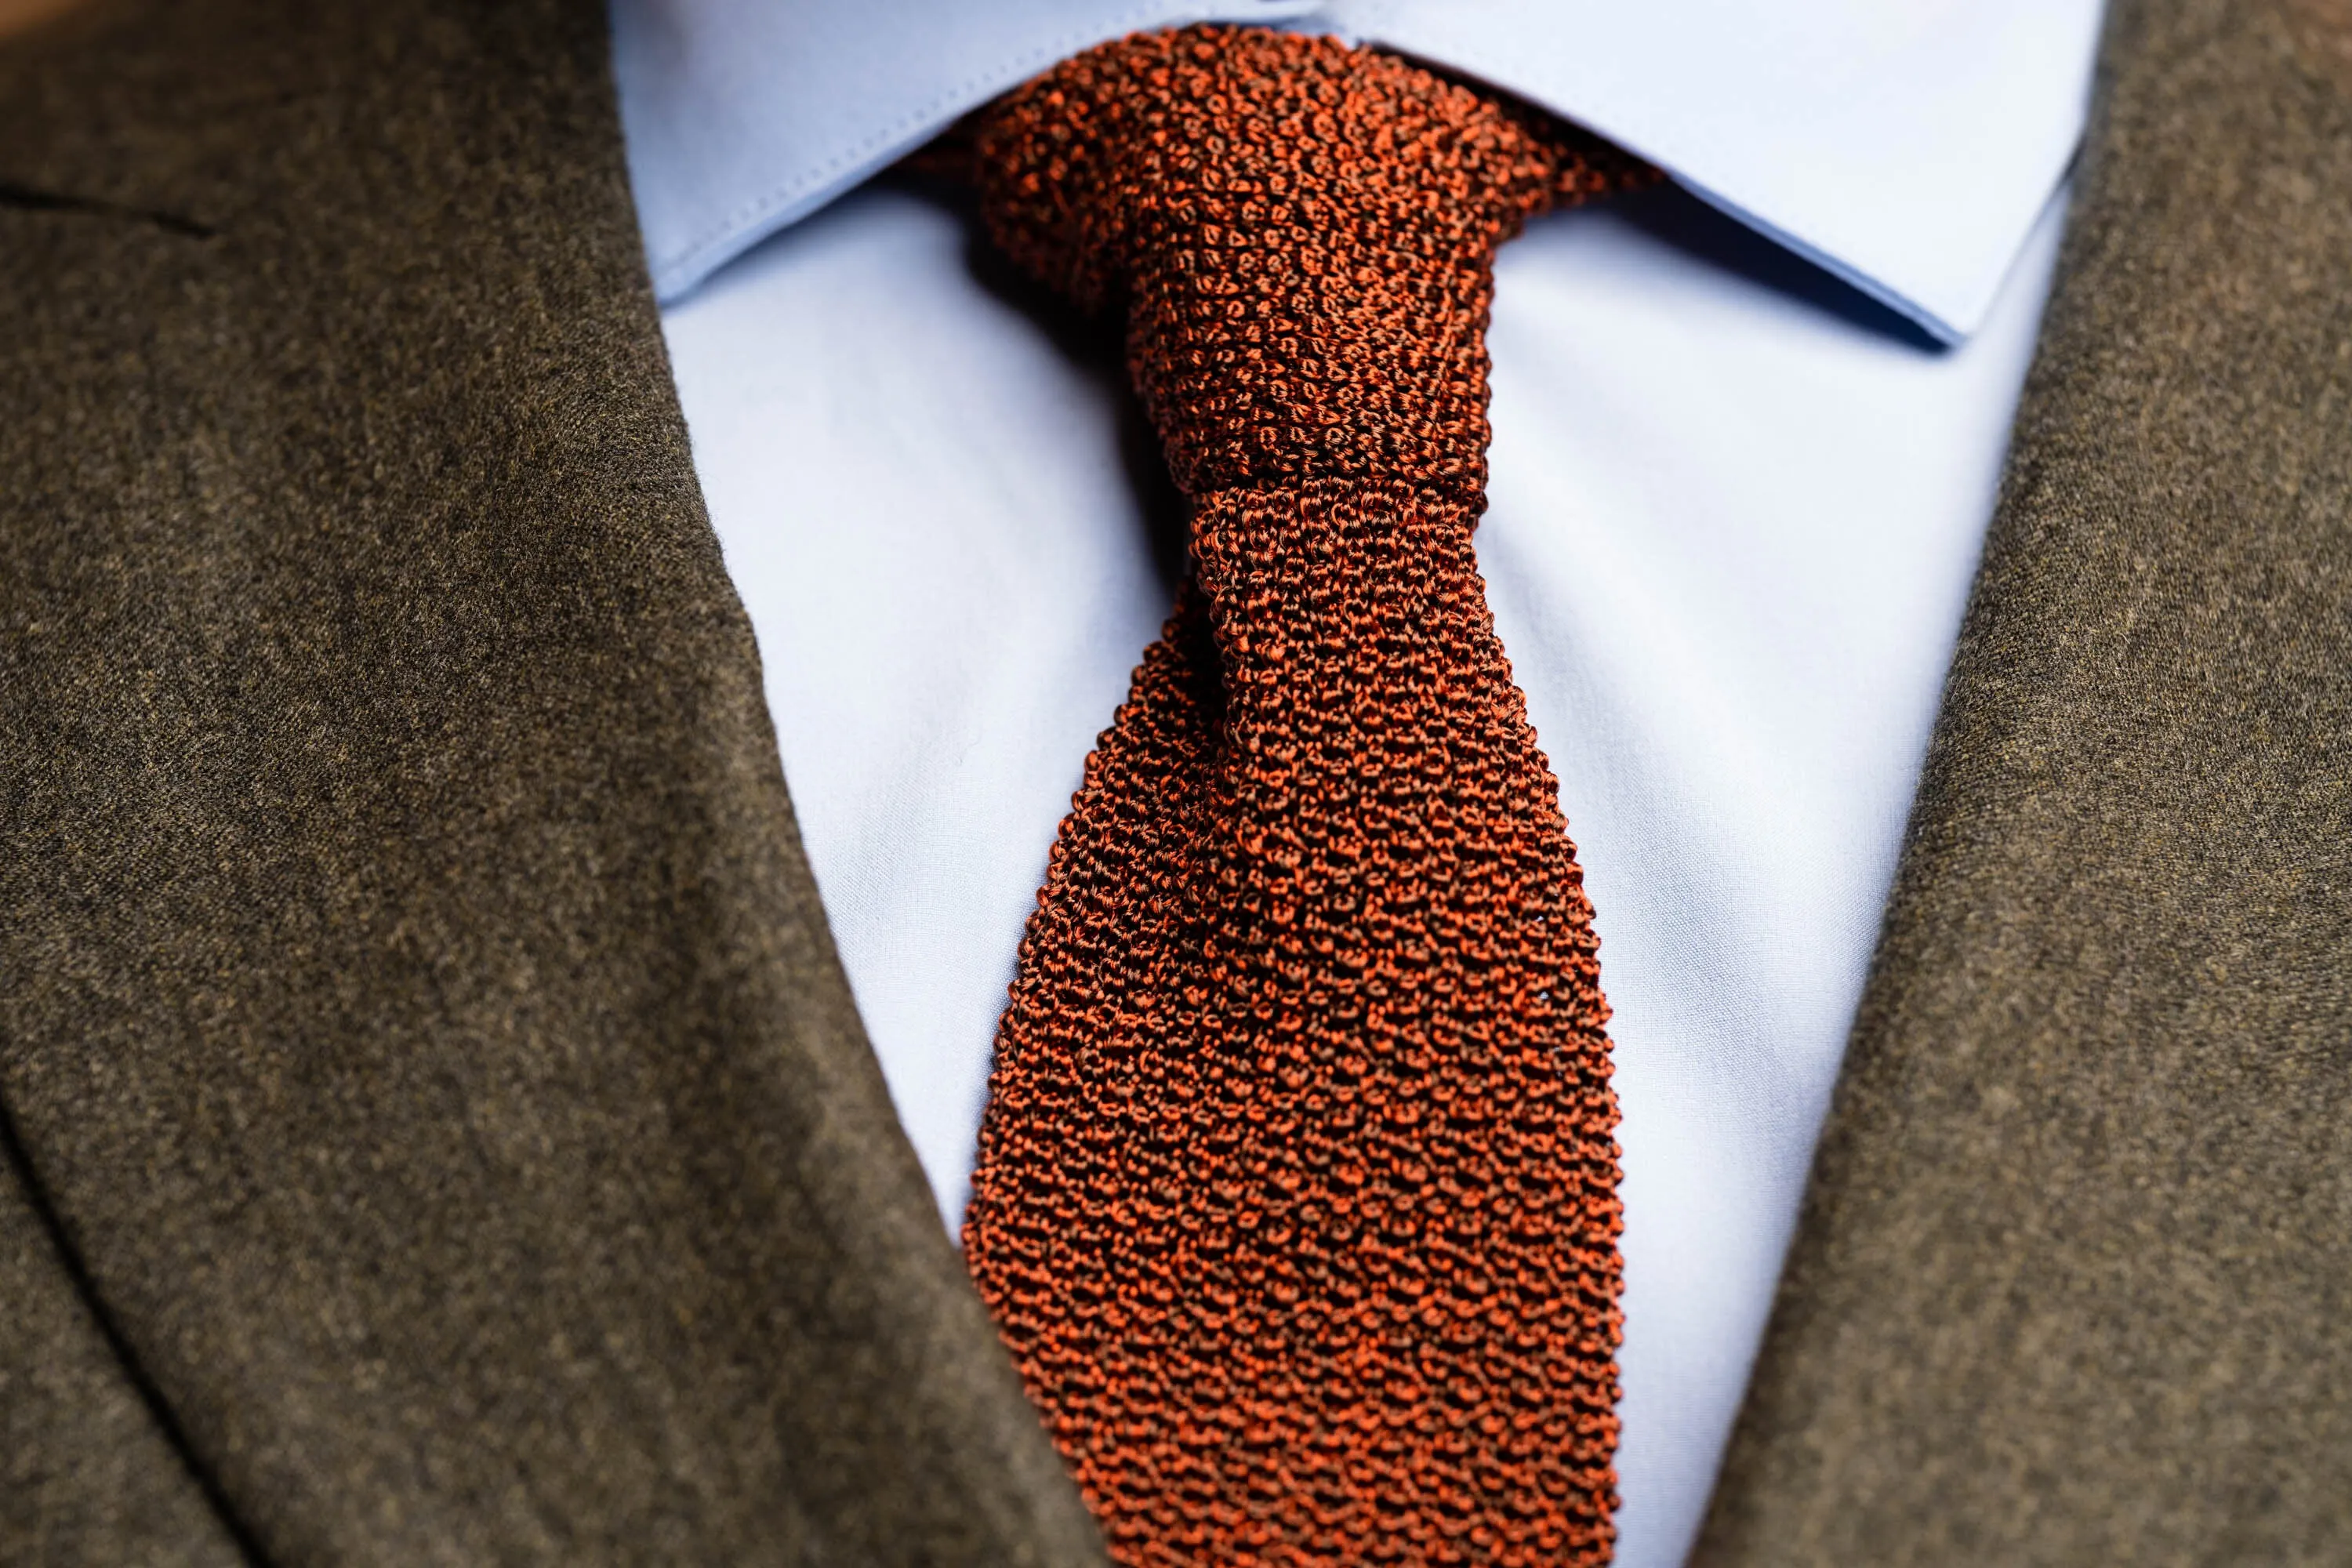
435, 1127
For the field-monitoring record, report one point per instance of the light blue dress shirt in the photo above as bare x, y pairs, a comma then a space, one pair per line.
1747, 435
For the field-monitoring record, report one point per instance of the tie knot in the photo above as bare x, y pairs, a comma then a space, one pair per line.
1303, 232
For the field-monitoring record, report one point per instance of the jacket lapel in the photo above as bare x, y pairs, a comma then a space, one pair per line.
2072, 1279
428, 1073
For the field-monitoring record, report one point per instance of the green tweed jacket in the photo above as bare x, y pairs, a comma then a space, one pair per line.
434, 1126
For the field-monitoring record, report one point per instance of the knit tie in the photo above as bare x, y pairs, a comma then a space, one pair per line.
1297, 1199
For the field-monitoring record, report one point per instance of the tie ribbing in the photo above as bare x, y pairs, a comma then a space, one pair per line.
1297, 1192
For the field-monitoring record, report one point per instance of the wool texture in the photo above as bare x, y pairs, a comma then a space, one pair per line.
1296, 1196
435, 1127
2072, 1282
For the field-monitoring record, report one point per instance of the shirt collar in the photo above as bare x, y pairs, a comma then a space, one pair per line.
1906, 146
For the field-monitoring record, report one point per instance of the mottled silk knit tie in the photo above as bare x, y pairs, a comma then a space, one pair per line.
1296, 1197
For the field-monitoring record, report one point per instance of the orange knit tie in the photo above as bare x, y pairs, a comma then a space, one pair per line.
1296, 1198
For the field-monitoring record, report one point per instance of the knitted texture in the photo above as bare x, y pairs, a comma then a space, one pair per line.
1296, 1200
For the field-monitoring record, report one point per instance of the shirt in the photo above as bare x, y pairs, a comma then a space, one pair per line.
1747, 431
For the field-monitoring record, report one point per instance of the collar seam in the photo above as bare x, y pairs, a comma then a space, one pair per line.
778, 197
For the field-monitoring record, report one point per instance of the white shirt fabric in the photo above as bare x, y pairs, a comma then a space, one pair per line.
1747, 434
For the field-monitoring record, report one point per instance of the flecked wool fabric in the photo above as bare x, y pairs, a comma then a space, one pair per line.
439, 1131
1297, 1196
2074, 1281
